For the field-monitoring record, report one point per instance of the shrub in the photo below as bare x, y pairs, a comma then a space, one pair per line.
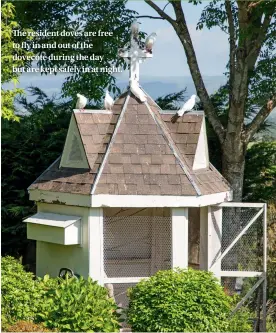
26, 326
79, 305
241, 322
177, 301
20, 293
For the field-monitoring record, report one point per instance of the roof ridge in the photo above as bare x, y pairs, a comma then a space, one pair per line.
174, 149
172, 145
98, 176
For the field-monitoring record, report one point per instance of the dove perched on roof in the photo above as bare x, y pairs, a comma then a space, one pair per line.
150, 41
81, 102
137, 91
188, 106
108, 101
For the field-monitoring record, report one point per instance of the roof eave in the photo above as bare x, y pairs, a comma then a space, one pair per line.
124, 201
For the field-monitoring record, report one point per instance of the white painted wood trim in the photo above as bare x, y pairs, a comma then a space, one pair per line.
95, 244
203, 250
60, 198
107, 200
129, 201
92, 111
192, 112
240, 274
241, 204
238, 237
180, 232
214, 240
124, 280
201, 160
98, 176
53, 220
265, 239
173, 148
264, 267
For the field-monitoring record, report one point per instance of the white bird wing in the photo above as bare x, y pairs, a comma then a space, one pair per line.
134, 28
188, 106
81, 102
108, 101
137, 91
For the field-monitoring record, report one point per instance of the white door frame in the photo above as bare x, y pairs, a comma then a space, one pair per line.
261, 274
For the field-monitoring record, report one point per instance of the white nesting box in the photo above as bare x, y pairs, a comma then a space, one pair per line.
54, 228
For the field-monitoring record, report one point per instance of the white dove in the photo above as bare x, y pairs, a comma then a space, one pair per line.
108, 101
134, 28
188, 106
137, 91
81, 102
150, 41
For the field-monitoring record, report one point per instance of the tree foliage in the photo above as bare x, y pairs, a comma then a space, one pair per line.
171, 101
81, 16
260, 172
250, 27
261, 78
7, 62
28, 148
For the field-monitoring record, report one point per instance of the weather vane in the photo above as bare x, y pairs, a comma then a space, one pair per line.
136, 54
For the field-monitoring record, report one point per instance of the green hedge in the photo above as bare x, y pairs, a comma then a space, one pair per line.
74, 305
79, 305
182, 301
21, 295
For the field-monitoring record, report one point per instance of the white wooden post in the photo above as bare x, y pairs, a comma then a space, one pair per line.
95, 239
264, 266
180, 237
214, 240
203, 243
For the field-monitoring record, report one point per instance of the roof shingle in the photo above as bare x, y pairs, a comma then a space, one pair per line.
147, 154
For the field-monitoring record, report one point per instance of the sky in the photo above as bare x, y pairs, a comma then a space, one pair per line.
169, 59
211, 46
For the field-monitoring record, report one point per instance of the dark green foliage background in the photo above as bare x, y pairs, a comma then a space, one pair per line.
28, 148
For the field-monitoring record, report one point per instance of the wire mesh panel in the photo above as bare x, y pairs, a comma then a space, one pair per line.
247, 252
136, 246
243, 258
239, 287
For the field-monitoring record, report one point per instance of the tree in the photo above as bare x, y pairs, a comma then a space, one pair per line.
260, 172
250, 26
82, 17
28, 148
171, 101
7, 61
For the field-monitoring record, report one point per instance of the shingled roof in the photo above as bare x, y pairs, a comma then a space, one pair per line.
133, 150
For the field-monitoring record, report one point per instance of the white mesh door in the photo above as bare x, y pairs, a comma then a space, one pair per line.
136, 246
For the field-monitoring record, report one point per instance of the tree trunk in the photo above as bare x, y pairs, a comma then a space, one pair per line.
233, 162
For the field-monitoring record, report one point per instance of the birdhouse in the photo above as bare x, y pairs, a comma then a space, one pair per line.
131, 194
